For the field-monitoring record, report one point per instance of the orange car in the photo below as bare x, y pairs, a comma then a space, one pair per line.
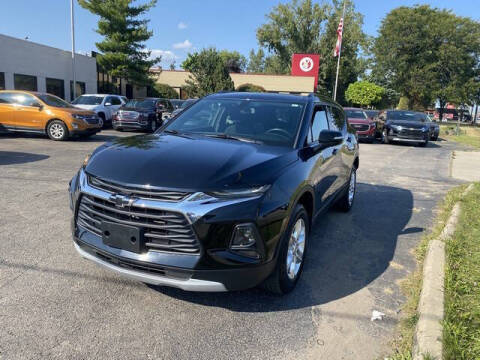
46, 114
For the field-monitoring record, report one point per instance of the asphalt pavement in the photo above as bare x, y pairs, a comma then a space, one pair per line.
55, 305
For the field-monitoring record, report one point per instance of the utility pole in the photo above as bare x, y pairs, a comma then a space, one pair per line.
72, 20
339, 53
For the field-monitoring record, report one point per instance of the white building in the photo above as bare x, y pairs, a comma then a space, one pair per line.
25, 65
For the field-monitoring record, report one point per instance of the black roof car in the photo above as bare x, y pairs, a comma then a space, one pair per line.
222, 197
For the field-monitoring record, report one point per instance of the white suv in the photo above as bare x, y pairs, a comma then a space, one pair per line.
103, 104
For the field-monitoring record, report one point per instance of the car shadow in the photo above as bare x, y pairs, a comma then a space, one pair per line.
14, 157
346, 253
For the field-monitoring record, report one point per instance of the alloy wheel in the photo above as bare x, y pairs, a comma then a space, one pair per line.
57, 131
296, 249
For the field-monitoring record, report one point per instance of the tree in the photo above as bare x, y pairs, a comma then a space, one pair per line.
256, 62
234, 61
165, 91
364, 93
250, 88
402, 103
209, 73
124, 28
427, 54
302, 26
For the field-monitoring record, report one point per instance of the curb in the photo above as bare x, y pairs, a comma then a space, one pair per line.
429, 331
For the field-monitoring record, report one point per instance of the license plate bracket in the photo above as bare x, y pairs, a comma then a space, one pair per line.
122, 236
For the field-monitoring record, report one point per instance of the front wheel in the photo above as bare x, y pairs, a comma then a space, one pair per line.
291, 255
57, 130
385, 137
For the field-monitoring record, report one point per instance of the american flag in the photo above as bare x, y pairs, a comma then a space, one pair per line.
338, 45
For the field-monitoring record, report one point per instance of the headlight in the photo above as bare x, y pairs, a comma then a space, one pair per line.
86, 160
396, 127
373, 125
239, 193
78, 116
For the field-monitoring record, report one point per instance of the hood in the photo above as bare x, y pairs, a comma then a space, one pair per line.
75, 111
87, 107
407, 123
189, 164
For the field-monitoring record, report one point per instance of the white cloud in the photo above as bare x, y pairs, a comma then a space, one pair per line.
168, 57
183, 45
182, 26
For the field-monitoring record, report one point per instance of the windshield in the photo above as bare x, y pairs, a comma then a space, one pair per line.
141, 103
356, 114
88, 100
269, 122
405, 115
54, 101
176, 103
371, 113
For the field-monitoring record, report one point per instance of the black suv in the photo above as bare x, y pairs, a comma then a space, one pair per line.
142, 114
222, 197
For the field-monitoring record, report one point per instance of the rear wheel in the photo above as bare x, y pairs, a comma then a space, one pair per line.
345, 203
57, 130
291, 255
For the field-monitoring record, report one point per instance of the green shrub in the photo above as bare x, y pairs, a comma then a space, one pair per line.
250, 88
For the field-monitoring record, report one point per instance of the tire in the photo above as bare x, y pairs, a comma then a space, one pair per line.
435, 138
345, 202
285, 277
423, 144
102, 116
57, 130
385, 137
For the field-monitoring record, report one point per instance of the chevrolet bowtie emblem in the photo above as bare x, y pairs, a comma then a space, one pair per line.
121, 200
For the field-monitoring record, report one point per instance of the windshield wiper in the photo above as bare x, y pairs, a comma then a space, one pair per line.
175, 132
231, 137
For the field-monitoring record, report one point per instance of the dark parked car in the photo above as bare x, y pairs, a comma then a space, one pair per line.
365, 127
139, 114
405, 126
176, 103
222, 197
372, 114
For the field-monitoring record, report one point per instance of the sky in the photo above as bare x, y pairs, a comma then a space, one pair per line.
182, 26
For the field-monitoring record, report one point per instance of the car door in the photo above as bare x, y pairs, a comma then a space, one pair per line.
344, 152
322, 175
29, 112
7, 110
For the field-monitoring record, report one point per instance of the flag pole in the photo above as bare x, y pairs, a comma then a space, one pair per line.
72, 20
339, 53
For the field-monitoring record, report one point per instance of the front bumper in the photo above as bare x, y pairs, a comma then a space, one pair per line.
88, 131
214, 268
119, 124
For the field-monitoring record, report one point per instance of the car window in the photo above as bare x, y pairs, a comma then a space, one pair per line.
6, 98
270, 122
356, 114
319, 123
25, 99
54, 101
115, 100
88, 100
336, 118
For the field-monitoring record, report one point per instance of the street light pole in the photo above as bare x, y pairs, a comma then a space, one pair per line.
72, 20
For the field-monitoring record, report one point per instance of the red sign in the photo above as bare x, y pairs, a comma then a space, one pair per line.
306, 65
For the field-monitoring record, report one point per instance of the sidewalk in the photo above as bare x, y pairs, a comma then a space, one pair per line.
466, 165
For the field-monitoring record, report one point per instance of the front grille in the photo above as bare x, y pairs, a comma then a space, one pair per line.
138, 192
163, 230
415, 133
92, 120
361, 127
128, 115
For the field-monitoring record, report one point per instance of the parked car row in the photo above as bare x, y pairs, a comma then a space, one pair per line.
393, 126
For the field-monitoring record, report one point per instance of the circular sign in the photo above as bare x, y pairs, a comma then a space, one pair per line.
306, 64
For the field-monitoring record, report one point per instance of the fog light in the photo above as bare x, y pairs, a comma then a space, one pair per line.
244, 237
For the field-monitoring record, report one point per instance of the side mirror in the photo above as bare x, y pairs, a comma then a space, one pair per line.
108, 104
37, 105
330, 137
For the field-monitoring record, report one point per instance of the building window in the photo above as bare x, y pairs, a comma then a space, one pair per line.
56, 87
2, 81
79, 90
25, 82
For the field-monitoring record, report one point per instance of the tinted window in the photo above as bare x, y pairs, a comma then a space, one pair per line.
56, 87
116, 101
337, 119
319, 123
6, 98
25, 82
355, 114
54, 101
25, 99
176, 103
270, 122
2, 81
88, 100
